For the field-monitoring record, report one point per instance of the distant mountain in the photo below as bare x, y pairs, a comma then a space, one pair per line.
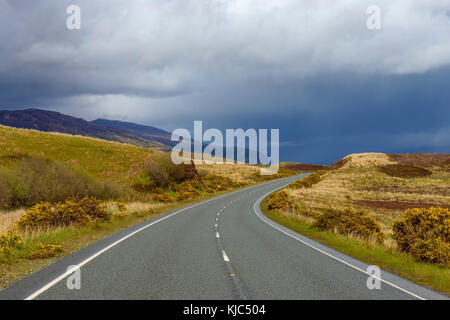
145, 132
50, 121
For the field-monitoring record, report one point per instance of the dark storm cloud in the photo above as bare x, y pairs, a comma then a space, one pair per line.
310, 68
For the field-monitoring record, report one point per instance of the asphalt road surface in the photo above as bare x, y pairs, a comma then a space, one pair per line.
222, 248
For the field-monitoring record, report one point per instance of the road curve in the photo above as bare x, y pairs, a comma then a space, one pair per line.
222, 248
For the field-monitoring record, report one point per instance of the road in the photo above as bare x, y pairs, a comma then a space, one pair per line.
222, 248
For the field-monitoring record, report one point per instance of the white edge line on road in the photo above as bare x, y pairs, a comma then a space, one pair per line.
225, 257
326, 253
67, 273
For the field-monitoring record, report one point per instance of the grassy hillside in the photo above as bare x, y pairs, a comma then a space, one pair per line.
102, 159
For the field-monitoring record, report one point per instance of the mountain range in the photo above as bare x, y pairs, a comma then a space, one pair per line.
113, 130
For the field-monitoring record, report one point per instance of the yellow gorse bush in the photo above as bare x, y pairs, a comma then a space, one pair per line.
308, 181
10, 241
280, 201
187, 189
46, 251
121, 206
350, 222
425, 233
433, 250
70, 212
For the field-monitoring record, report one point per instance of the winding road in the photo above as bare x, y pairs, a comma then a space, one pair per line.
222, 248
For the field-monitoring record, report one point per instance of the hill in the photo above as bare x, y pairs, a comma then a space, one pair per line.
49, 121
384, 185
144, 132
102, 159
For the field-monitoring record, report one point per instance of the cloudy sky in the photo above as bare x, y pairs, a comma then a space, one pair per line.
310, 68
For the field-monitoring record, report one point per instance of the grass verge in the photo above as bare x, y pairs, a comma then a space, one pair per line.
388, 259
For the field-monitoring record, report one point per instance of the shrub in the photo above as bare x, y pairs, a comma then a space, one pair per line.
147, 187
157, 173
70, 212
121, 206
308, 212
215, 183
420, 229
350, 222
279, 201
434, 251
165, 198
12, 190
404, 171
5, 194
10, 241
187, 189
162, 171
282, 173
46, 251
51, 181
308, 181
35, 180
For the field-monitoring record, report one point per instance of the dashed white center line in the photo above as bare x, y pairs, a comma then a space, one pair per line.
217, 235
225, 257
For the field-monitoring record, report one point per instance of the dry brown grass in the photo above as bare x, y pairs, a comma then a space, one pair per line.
241, 173
8, 219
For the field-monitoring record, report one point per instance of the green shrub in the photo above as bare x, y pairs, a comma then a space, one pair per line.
425, 233
350, 222
12, 190
5, 193
161, 171
34, 180
157, 173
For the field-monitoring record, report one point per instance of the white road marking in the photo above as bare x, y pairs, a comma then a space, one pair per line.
225, 257
328, 254
216, 225
217, 235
